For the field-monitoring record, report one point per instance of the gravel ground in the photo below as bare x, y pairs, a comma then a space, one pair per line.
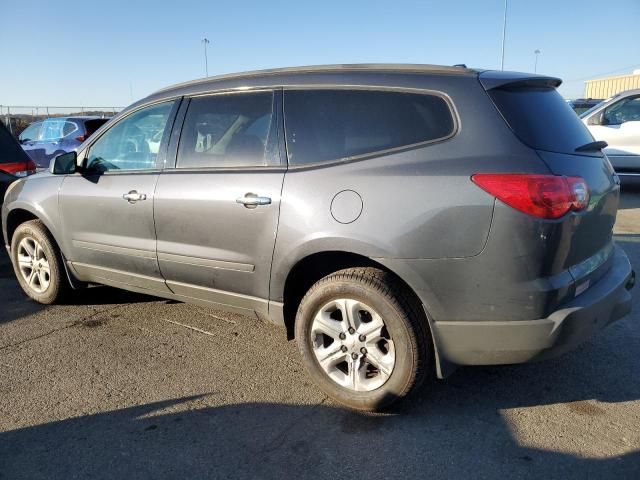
119, 385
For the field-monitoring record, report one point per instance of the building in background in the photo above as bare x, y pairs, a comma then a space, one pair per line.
605, 87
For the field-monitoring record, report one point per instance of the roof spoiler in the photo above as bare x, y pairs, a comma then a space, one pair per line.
492, 79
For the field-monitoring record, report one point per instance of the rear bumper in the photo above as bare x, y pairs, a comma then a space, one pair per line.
517, 341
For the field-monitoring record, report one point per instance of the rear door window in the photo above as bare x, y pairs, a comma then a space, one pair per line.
228, 130
329, 125
541, 118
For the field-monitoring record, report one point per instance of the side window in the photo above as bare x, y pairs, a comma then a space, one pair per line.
52, 130
328, 125
69, 128
627, 110
132, 143
228, 130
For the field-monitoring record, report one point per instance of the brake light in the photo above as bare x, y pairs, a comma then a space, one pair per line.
19, 169
82, 138
543, 196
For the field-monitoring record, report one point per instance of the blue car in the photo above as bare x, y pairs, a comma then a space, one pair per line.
49, 138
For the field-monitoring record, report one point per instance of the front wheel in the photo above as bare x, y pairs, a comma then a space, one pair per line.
363, 338
37, 263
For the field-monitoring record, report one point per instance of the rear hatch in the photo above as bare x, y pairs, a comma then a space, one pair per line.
542, 119
13, 159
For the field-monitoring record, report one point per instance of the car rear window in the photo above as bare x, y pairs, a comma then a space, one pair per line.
541, 118
329, 125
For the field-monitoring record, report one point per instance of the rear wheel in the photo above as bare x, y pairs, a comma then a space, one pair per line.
363, 338
37, 263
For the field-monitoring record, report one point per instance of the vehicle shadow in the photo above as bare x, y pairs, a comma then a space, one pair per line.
267, 440
15, 303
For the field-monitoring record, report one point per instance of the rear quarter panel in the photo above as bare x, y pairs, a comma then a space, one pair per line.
416, 204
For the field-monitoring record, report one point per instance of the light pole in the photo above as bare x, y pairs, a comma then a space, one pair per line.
205, 42
504, 34
535, 65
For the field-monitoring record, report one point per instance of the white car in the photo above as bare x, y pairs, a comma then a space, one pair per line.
617, 122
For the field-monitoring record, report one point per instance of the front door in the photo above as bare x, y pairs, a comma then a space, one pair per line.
216, 212
107, 210
621, 130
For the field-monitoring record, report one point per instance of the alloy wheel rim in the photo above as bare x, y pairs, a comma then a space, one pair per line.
34, 265
352, 345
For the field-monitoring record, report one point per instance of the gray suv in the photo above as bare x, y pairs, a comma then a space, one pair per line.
397, 220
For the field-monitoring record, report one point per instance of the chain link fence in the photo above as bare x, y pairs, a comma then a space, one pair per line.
19, 117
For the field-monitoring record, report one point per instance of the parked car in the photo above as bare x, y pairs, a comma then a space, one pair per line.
396, 220
49, 138
581, 105
616, 121
14, 162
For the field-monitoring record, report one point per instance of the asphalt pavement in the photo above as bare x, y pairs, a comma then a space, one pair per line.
119, 385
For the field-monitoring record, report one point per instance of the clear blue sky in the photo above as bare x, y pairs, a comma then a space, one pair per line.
89, 53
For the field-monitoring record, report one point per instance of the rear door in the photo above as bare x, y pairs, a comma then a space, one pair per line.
107, 210
216, 208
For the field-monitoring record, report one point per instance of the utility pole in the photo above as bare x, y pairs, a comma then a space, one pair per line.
504, 34
205, 42
535, 65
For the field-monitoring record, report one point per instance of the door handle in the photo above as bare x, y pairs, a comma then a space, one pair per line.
133, 196
251, 200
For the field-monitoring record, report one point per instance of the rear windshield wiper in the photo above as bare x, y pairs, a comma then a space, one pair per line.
592, 146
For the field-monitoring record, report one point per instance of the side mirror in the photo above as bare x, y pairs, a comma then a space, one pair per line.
64, 164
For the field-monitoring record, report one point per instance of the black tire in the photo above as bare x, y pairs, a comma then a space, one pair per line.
403, 317
58, 284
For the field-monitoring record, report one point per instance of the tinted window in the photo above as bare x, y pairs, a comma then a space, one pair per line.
541, 118
326, 125
91, 126
132, 143
627, 110
234, 130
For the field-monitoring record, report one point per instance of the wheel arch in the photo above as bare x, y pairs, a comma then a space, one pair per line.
311, 268
19, 215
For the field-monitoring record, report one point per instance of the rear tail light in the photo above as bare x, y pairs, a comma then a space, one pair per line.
543, 196
19, 169
82, 138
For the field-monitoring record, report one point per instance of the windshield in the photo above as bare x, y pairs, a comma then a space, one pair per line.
31, 132
588, 112
541, 118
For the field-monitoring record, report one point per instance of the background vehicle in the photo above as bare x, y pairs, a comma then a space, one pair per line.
346, 204
617, 122
14, 162
53, 136
581, 105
